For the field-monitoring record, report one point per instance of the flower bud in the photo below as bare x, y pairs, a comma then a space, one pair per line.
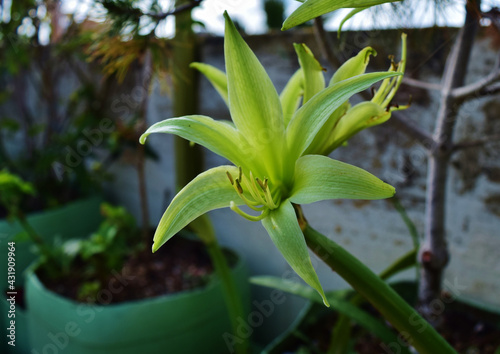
354, 66
359, 117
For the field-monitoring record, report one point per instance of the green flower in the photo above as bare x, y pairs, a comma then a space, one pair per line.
267, 148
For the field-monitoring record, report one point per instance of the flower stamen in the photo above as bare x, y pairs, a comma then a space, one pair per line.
259, 197
240, 212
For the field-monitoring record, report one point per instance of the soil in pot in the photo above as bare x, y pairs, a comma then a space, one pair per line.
182, 265
190, 319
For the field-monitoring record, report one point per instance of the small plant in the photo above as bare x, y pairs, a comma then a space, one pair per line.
103, 251
89, 260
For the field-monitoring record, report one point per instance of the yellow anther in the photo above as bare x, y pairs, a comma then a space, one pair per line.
261, 184
238, 186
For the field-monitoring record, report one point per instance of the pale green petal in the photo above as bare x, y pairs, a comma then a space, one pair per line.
321, 178
311, 117
354, 66
314, 80
361, 116
208, 191
216, 77
319, 145
315, 8
217, 136
253, 101
291, 94
284, 230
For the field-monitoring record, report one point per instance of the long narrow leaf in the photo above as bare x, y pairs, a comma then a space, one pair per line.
364, 319
315, 8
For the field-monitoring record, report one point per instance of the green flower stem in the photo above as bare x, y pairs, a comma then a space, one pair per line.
342, 331
403, 317
204, 229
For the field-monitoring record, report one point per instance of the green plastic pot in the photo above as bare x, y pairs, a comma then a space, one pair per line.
186, 322
75, 219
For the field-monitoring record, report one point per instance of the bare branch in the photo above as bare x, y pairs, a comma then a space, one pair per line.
475, 89
476, 143
405, 125
490, 90
325, 43
494, 16
421, 84
179, 9
433, 253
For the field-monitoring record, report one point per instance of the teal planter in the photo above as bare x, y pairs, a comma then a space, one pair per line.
75, 219
187, 322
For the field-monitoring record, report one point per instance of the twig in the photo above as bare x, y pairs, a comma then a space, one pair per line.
476, 88
177, 10
494, 16
421, 84
147, 77
324, 43
493, 89
476, 143
405, 125
26, 116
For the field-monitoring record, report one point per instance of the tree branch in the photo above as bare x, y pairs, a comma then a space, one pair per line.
162, 15
494, 16
433, 253
325, 43
476, 143
421, 84
405, 125
477, 88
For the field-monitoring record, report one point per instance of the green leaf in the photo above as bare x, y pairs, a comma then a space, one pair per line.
311, 117
283, 228
337, 302
349, 16
404, 262
320, 178
291, 94
314, 80
208, 191
315, 8
217, 136
216, 77
253, 101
